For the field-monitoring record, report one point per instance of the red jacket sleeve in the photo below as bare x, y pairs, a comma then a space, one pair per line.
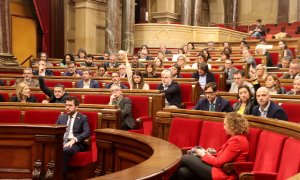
228, 154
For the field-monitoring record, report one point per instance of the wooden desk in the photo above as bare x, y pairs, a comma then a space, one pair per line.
125, 155
31, 151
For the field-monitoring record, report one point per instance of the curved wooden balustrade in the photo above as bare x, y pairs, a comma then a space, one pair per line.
125, 155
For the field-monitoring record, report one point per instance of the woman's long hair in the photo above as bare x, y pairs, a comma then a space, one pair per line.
139, 85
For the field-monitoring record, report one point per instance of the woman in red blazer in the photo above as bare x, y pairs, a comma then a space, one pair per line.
204, 165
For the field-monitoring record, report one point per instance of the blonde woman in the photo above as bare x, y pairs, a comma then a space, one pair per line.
259, 73
22, 94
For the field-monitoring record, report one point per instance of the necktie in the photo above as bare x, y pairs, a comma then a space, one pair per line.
66, 135
212, 107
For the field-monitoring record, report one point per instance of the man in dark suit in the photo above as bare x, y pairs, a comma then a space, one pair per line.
43, 71
212, 102
115, 77
86, 81
125, 104
266, 107
77, 130
294, 71
229, 71
58, 95
112, 62
171, 89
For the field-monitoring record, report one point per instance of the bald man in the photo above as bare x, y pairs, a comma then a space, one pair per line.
266, 107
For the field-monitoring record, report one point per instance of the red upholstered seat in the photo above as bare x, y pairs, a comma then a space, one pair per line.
186, 91
185, 132
268, 152
291, 110
290, 159
212, 135
52, 83
96, 99
140, 112
10, 116
37, 116
90, 156
275, 57
39, 96
186, 74
253, 137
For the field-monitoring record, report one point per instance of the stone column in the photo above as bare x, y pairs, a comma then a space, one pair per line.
5, 27
6, 58
113, 26
234, 17
298, 7
186, 12
165, 12
128, 18
197, 13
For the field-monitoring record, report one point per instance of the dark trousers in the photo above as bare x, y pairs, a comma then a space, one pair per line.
69, 152
192, 168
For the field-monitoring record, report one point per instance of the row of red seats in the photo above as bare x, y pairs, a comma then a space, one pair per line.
271, 155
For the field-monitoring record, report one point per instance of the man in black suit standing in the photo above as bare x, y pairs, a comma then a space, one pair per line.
125, 104
212, 102
266, 107
171, 89
77, 130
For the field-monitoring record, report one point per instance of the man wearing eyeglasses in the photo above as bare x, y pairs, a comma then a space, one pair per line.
135, 62
27, 74
125, 104
115, 78
294, 70
212, 102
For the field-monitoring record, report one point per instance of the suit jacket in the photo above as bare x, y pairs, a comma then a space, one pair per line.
138, 65
81, 129
235, 149
107, 86
93, 84
47, 73
29, 99
274, 111
288, 76
106, 64
32, 82
1, 83
173, 94
222, 105
209, 77
126, 115
50, 93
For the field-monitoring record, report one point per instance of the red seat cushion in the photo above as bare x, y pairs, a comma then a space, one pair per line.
186, 91
268, 152
212, 135
52, 83
185, 132
253, 137
10, 116
140, 106
290, 159
96, 99
5, 96
291, 110
41, 116
85, 158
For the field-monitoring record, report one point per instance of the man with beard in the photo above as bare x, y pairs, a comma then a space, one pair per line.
115, 77
77, 130
89, 61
